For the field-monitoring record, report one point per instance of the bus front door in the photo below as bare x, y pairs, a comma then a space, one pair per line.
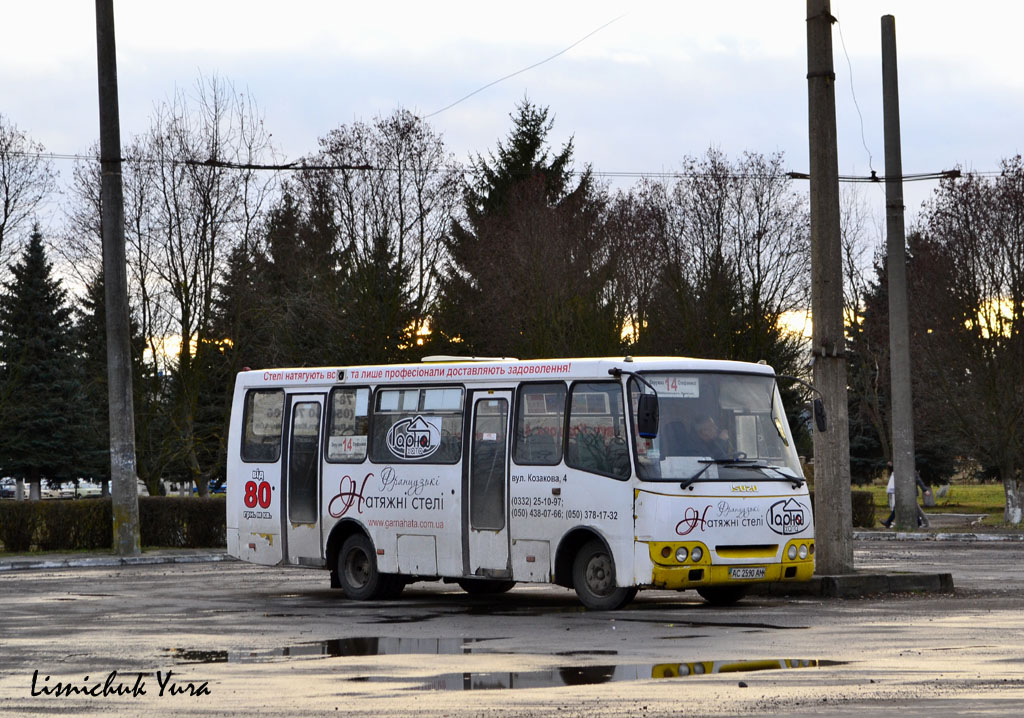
301, 480
485, 489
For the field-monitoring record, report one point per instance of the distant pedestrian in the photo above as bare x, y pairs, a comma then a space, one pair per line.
890, 493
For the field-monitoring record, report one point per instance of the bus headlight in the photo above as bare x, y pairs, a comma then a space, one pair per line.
803, 551
791, 552
682, 554
697, 554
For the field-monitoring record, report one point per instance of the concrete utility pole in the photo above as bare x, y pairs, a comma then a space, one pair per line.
832, 509
899, 329
124, 480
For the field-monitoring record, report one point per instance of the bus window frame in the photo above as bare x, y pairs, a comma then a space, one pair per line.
329, 421
245, 424
515, 420
626, 426
374, 414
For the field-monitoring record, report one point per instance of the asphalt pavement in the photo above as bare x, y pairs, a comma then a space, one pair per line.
863, 582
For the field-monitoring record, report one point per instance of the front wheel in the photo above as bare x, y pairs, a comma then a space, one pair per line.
593, 577
358, 574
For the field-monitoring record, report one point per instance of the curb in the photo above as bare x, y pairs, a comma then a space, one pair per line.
30, 564
938, 536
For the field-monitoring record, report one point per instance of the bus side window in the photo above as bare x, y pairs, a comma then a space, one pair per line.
540, 418
261, 432
597, 430
417, 425
348, 425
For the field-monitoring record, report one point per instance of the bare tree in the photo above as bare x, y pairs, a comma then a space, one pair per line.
867, 337
970, 284
638, 231
26, 179
406, 199
737, 257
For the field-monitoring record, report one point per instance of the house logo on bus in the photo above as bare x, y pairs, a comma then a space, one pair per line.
787, 517
415, 438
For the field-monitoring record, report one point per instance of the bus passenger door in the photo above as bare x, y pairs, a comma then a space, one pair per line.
485, 488
301, 480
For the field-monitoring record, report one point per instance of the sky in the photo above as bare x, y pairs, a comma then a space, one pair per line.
663, 81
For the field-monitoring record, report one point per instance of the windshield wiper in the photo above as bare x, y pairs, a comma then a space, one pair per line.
685, 483
742, 464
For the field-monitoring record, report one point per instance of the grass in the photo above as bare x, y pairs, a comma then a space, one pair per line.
987, 499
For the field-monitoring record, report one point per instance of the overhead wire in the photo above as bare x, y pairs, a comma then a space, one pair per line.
525, 69
853, 94
305, 165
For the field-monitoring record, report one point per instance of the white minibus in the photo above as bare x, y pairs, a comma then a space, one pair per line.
604, 475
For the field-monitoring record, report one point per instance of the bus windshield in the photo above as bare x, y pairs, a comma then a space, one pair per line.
716, 426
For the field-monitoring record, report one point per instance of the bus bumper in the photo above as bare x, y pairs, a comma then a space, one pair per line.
709, 570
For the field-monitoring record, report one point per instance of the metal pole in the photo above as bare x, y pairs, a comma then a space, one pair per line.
833, 511
899, 327
123, 476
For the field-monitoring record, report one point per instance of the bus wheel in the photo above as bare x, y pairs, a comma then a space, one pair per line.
593, 577
357, 570
483, 586
722, 595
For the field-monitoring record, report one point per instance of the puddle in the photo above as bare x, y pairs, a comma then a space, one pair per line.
592, 675
334, 648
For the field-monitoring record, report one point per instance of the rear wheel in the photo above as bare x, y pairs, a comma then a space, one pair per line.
358, 574
484, 586
593, 577
722, 595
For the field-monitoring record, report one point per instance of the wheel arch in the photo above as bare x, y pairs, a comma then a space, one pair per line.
568, 547
341, 531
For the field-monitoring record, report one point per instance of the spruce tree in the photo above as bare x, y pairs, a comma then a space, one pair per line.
92, 417
38, 377
529, 269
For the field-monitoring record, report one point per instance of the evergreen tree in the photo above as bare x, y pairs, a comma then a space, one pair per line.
529, 271
93, 459
381, 313
92, 417
38, 376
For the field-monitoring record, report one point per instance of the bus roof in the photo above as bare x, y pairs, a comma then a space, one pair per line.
476, 370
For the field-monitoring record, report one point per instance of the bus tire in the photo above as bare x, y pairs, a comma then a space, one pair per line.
593, 577
357, 570
722, 595
485, 586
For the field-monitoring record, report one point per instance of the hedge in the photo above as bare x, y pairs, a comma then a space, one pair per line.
185, 522
83, 524
863, 505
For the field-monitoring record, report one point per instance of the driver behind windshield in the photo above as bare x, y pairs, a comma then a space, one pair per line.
708, 439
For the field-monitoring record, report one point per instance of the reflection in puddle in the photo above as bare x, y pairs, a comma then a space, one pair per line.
561, 676
590, 675
338, 647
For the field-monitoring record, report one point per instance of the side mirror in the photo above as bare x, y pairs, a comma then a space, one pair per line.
820, 419
647, 416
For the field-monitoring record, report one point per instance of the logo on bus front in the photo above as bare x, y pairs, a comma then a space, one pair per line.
787, 517
415, 438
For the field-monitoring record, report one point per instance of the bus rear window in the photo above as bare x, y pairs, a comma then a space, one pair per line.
261, 439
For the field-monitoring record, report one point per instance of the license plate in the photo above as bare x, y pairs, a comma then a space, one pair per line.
747, 573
